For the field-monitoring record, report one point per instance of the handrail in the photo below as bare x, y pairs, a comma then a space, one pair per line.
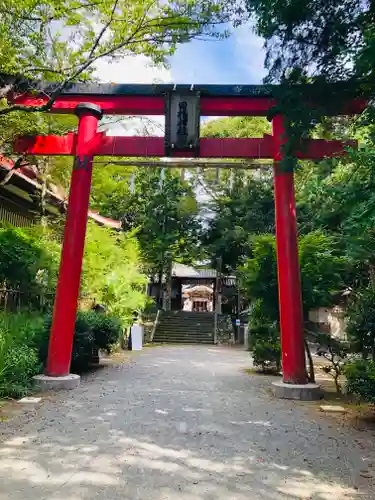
156, 322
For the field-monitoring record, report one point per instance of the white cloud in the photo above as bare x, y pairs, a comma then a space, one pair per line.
133, 69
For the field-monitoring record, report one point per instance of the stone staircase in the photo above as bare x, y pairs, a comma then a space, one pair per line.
181, 327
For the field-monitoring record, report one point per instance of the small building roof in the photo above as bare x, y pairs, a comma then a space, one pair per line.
189, 272
198, 289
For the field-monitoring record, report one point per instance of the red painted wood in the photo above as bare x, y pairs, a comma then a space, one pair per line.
290, 298
155, 105
235, 106
154, 147
111, 105
46, 144
317, 149
65, 307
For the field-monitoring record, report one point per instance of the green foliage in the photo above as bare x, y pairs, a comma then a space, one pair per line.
323, 270
360, 376
267, 355
163, 218
247, 209
18, 353
28, 260
264, 337
241, 201
329, 38
326, 43
239, 126
259, 275
92, 332
111, 272
20, 258
361, 321
61, 41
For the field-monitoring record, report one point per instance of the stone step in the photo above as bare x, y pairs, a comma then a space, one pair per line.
202, 316
197, 333
182, 341
183, 333
187, 320
182, 327
185, 327
183, 336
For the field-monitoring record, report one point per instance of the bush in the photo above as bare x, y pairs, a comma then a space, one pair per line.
361, 322
93, 331
24, 346
360, 377
18, 353
267, 355
264, 338
28, 261
107, 331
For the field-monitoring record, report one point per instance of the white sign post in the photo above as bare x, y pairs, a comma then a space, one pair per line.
136, 333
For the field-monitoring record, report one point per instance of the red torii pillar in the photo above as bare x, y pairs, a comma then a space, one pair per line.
290, 295
65, 307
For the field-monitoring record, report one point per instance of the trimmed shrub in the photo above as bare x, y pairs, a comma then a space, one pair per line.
360, 376
267, 355
107, 331
93, 331
264, 338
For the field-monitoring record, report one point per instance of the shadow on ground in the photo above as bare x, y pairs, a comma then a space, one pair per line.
180, 423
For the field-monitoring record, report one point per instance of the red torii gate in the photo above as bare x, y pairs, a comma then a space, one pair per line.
183, 105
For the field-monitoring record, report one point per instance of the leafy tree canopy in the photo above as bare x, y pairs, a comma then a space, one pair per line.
329, 38
240, 201
61, 40
162, 211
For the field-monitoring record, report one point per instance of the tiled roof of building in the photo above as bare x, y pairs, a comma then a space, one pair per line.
183, 271
30, 177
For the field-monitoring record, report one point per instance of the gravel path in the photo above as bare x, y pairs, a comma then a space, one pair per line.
181, 423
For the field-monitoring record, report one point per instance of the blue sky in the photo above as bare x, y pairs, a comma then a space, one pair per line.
238, 59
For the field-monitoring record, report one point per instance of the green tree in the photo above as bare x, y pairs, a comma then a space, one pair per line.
246, 209
60, 41
239, 126
112, 272
240, 202
162, 211
323, 272
327, 43
259, 275
328, 38
340, 200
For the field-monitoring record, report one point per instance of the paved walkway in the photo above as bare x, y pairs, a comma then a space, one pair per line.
180, 424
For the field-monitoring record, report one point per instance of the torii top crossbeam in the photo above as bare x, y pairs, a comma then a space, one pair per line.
138, 99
